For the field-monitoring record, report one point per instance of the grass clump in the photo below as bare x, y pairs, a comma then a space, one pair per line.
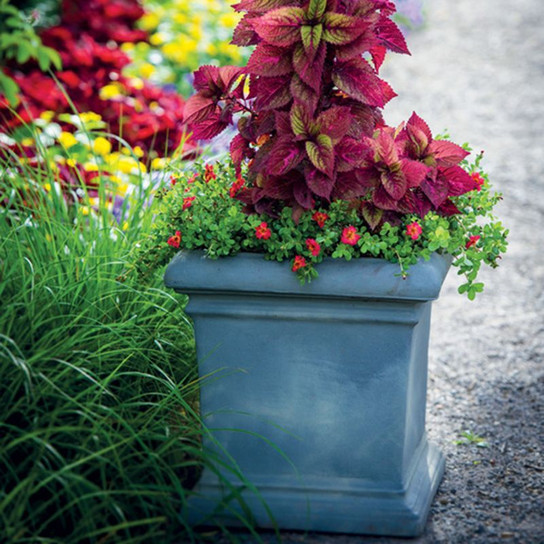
98, 438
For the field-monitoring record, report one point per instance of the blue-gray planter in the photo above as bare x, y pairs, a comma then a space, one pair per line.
327, 381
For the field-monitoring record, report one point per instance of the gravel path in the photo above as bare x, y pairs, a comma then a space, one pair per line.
477, 69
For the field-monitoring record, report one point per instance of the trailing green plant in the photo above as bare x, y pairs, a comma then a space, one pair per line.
200, 211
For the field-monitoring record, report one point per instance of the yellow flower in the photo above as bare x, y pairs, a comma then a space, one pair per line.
157, 38
89, 116
229, 20
180, 18
112, 90
138, 151
67, 139
211, 49
47, 186
90, 166
27, 142
137, 83
101, 146
127, 47
71, 162
149, 21
147, 70
47, 115
158, 163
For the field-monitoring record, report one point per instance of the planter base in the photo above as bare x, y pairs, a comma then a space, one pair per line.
348, 506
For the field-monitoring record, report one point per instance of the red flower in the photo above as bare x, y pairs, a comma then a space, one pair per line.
173, 180
175, 240
350, 236
188, 202
472, 241
236, 186
313, 247
209, 174
414, 230
262, 231
320, 218
300, 262
476, 176
192, 179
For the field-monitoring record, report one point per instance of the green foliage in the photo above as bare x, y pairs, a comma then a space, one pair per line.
470, 438
200, 206
19, 43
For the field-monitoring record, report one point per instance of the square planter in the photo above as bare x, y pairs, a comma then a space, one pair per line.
321, 394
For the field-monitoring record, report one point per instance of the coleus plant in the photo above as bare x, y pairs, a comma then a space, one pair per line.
309, 122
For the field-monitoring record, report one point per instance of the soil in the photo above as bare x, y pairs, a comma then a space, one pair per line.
477, 70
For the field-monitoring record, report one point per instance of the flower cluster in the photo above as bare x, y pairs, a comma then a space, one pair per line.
87, 39
215, 222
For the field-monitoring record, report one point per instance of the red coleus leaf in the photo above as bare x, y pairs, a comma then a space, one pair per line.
416, 136
282, 122
209, 127
349, 154
366, 41
358, 80
206, 81
198, 108
244, 33
321, 153
280, 27
304, 93
378, 56
436, 190
448, 208
383, 200
302, 194
447, 153
320, 184
268, 60
371, 214
348, 187
284, 155
310, 68
272, 92
239, 149
391, 36
394, 182
340, 29
262, 5
459, 181
335, 122
414, 171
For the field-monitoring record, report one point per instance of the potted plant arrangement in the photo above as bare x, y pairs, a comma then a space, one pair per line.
311, 258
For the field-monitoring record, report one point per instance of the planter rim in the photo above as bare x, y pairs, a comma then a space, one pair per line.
246, 273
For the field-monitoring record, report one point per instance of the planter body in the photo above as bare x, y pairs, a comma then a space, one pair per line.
328, 381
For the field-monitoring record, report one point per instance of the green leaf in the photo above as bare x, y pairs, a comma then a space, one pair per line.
300, 120
10, 89
316, 9
311, 37
24, 52
321, 153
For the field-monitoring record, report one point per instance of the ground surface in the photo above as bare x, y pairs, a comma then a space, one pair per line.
477, 69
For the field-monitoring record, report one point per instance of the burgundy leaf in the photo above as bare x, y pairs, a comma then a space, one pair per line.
348, 187
263, 5
416, 137
283, 123
349, 153
280, 26
311, 38
414, 171
284, 156
206, 80
371, 214
278, 188
368, 177
448, 208
391, 36
209, 127
422, 204
239, 149
320, 184
359, 81
304, 93
272, 92
244, 34
447, 153
366, 41
268, 60
436, 190
378, 56
366, 118
310, 69
302, 194
394, 183
198, 108
335, 122
459, 182
383, 200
